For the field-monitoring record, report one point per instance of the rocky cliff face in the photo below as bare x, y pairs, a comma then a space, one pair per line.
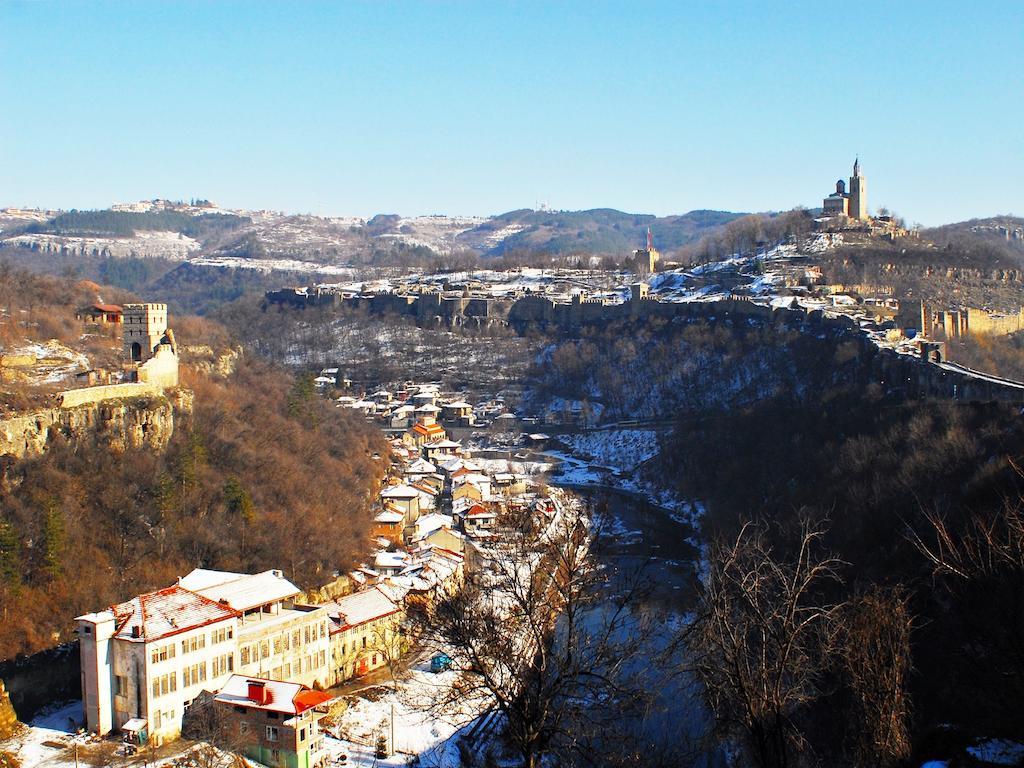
116, 424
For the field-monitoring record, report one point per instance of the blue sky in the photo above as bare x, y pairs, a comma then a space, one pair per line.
482, 107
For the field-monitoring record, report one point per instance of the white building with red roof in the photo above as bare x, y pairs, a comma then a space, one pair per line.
149, 657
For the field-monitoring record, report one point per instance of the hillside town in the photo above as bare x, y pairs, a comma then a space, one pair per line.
270, 663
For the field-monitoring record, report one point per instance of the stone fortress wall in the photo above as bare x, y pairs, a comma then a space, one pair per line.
914, 376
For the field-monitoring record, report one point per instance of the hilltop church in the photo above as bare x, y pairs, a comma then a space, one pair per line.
853, 203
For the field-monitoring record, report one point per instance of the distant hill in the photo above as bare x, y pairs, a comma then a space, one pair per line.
600, 231
185, 231
1004, 232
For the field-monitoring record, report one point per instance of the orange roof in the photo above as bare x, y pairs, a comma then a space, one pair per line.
107, 308
426, 431
308, 699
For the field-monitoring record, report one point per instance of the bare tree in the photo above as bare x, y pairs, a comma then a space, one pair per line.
874, 647
759, 639
980, 567
536, 634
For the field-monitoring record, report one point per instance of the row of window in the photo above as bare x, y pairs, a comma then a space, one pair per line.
284, 672
285, 641
162, 653
223, 664
165, 684
194, 675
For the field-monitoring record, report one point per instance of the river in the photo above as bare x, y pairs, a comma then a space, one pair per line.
635, 538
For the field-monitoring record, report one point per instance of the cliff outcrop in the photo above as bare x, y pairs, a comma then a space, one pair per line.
116, 424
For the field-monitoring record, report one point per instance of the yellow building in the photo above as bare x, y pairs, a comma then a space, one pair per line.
366, 633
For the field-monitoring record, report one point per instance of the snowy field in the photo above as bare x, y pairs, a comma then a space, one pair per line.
417, 732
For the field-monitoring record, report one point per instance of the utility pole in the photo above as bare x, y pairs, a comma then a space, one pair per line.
393, 750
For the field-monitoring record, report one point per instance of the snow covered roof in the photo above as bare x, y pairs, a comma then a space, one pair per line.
428, 408
387, 516
159, 614
442, 444
471, 477
458, 404
278, 696
390, 560
360, 607
400, 491
430, 523
420, 467
239, 590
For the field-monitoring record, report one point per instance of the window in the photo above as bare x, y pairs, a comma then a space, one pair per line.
165, 684
306, 635
287, 671
272, 715
243, 710
121, 685
222, 665
364, 642
245, 655
243, 727
265, 649
277, 645
271, 733
163, 653
323, 631
220, 635
302, 734
296, 638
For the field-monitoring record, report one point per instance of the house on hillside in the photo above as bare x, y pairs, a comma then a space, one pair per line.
403, 498
423, 432
366, 633
389, 524
272, 722
439, 450
107, 315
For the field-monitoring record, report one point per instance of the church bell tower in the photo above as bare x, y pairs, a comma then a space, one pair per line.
858, 208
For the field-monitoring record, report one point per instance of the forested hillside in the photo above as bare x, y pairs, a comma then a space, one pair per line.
262, 474
921, 504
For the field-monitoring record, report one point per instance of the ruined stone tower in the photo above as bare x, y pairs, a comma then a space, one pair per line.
145, 325
149, 349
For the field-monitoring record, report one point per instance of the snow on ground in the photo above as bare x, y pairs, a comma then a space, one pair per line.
272, 265
623, 449
49, 739
416, 731
143, 244
56, 739
998, 752
54, 361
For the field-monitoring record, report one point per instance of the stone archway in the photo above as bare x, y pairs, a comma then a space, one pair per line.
136, 351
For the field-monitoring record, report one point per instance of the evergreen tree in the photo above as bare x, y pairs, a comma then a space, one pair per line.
10, 557
53, 540
238, 501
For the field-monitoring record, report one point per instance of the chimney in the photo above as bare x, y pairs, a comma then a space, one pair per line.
258, 692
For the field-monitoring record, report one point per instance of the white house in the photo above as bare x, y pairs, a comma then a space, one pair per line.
149, 657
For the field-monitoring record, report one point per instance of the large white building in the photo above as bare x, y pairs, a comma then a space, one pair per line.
148, 658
